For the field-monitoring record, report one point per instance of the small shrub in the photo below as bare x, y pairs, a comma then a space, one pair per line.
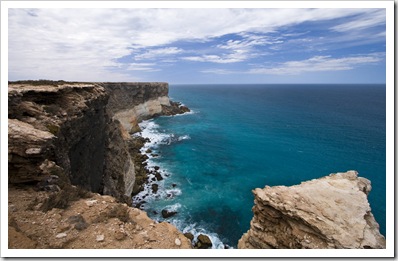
119, 211
63, 198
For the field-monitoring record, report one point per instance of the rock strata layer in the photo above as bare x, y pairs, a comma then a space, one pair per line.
329, 212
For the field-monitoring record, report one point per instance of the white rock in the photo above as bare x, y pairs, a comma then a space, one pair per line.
32, 151
100, 238
90, 203
178, 242
61, 235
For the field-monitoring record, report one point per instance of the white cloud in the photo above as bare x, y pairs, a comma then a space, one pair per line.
148, 67
158, 53
318, 64
219, 71
82, 44
225, 58
370, 19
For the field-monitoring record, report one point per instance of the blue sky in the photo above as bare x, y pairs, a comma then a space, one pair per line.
261, 45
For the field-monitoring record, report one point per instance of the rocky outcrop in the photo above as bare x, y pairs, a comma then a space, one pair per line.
330, 212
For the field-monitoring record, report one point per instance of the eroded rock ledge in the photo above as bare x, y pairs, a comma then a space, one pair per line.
330, 212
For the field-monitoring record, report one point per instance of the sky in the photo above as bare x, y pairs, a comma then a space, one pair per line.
199, 45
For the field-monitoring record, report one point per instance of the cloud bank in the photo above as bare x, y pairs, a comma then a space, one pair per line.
127, 44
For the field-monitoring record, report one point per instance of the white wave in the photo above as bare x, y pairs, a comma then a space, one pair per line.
173, 207
185, 113
184, 137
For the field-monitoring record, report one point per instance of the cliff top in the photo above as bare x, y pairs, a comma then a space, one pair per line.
329, 212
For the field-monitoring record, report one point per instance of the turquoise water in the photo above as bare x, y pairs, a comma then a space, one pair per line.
240, 137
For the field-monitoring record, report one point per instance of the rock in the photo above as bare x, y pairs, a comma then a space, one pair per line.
174, 185
204, 242
90, 203
167, 213
156, 167
61, 235
329, 212
155, 188
154, 155
63, 228
174, 108
79, 222
158, 176
189, 236
148, 151
100, 238
81, 226
119, 235
178, 242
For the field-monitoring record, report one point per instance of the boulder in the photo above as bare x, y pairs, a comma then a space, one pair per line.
204, 242
189, 236
155, 188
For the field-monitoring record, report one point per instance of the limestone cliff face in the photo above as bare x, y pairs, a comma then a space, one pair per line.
82, 130
131, 103
64, 125
330, 212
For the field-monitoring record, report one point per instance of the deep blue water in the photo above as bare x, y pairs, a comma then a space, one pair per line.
240, 137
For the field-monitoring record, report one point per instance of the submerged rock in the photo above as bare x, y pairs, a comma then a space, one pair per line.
167, 213
329, 212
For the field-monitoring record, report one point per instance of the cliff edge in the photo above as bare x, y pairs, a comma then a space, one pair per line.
67, 144
329, 212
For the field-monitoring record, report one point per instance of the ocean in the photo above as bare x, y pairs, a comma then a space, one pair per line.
244, 136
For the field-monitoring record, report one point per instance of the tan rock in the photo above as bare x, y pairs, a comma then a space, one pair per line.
329, 212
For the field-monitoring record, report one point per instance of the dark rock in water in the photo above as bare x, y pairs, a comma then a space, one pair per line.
155, 212
147, 140
204, 242
156, 167
167, 213
140, 204
148, 151
189, 236
155, 188
174, 185
158, 176
174, 108
154, 155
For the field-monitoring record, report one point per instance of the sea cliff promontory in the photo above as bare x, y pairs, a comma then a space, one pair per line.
329, 212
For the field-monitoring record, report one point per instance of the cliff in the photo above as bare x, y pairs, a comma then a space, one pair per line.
330, 212
65, 139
